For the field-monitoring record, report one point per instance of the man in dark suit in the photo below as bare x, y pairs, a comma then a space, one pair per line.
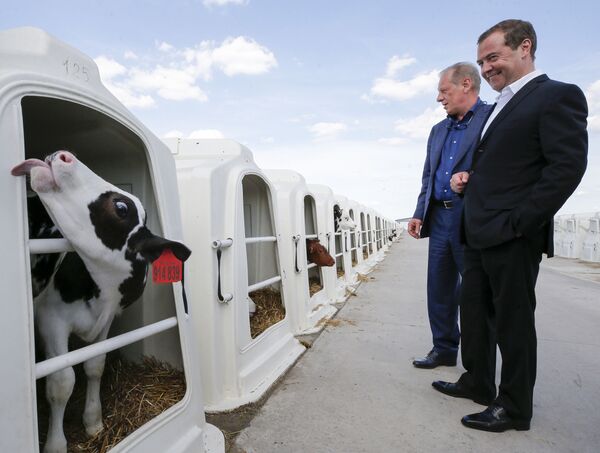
437, 216
531, 157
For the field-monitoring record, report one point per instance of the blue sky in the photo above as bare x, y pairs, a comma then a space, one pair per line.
341, 91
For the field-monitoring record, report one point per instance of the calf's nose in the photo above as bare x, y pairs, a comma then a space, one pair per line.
64, 156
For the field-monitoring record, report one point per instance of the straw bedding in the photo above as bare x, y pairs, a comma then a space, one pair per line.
314, 286
269, 310
132, 394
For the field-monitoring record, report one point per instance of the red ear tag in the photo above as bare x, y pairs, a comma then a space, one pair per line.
166, 268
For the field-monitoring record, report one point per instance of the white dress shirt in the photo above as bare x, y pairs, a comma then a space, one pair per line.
506, 95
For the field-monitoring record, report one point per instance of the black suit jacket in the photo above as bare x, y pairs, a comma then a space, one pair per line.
529, 161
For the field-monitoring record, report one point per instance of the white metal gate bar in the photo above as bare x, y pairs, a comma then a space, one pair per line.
263, 284
58, 245
43, 369
311, 265
311, 236
261, 239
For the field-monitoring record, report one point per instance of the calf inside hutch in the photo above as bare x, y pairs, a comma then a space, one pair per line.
338, 242
314, 274
142, 379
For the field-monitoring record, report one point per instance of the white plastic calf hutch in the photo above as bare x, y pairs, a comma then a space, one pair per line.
51, 98
356, 258
559, 231
571, 238
370, 247
335, 288
309, 300
590, 250
230, 220
347, 277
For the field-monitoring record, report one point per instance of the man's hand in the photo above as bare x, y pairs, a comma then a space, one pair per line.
459, 181
414, 227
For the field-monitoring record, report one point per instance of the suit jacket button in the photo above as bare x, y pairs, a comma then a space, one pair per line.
480, 150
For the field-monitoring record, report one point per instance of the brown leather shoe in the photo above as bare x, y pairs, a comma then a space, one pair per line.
494, 419
457, 390
434, 359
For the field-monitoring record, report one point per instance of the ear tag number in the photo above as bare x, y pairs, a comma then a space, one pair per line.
166, 268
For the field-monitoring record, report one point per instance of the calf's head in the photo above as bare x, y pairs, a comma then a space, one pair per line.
318, 254
346, 222
100, 220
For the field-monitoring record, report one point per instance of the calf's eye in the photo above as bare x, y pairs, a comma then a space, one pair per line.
121, 209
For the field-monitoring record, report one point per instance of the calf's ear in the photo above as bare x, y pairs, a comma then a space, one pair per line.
151, 246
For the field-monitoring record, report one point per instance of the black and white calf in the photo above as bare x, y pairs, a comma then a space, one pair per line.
342, 221
81, 292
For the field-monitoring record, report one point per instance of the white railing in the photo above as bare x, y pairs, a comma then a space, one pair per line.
264, 284
41, 246
47, 367
261, 239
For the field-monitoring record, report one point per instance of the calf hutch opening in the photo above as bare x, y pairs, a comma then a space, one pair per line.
364, 236
119, 156
264, 279
340, 245
369, 235
353, 241
314, 274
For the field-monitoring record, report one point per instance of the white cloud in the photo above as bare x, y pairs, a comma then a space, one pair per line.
171, 84
327, 130
173, 134
393, 141
164, 46
397, 63
242, 55
420, 126
109, 71
206, 133
175, 74
389, 86
128, 97
401, 90
129, 55
593, 98
594, 123
210, 3
109, 68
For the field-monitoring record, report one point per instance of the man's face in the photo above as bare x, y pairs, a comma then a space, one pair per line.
451, 96
500, 65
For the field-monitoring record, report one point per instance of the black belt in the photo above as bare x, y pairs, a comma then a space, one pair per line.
446, 204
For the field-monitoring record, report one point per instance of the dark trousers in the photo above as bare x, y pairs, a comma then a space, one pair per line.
444, 268
497, 308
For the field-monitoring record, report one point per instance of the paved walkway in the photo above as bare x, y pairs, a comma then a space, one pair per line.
356, 390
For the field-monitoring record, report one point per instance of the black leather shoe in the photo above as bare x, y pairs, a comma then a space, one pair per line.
434, 359
494, 419
457, 390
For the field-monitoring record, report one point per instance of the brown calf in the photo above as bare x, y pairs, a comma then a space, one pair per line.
318, 254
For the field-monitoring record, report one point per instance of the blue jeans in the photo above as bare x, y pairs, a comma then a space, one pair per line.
444, 270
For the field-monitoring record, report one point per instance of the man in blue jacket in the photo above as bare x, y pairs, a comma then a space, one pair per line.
437, 216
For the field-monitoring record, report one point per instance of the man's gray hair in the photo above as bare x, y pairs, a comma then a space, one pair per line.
464, 70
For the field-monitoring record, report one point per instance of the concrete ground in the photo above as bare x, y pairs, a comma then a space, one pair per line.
356, 390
